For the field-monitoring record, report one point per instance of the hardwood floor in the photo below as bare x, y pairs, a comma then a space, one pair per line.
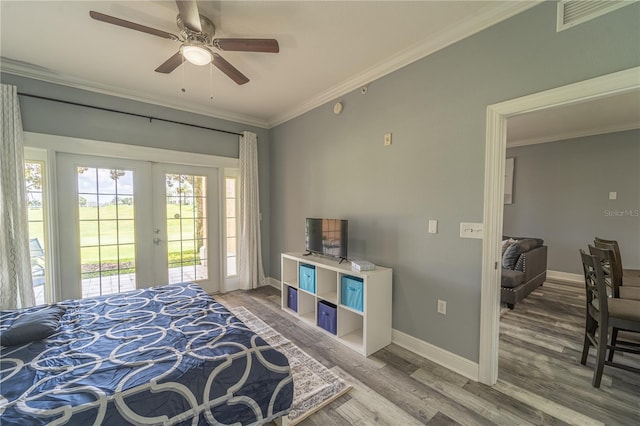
540, 379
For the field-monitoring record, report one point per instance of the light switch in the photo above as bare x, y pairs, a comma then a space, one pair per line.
387, 139
613, 195
433, 226
471, 230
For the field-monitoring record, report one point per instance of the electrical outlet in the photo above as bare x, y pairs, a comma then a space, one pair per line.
442, 307
387, 139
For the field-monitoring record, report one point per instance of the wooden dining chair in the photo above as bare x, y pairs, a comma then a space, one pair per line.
603, 312
632, 275
613, 271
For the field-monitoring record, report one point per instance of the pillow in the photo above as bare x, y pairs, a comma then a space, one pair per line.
506, 243
512, 253
32, 326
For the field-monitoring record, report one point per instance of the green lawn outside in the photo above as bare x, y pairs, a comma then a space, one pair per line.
115, 232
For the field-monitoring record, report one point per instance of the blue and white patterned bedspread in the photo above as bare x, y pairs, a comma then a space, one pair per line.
164, 355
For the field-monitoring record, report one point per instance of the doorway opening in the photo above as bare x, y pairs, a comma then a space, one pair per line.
495, 158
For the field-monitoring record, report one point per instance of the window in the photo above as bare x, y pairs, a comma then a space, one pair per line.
106, 222
231, 224
187, 219
34, 175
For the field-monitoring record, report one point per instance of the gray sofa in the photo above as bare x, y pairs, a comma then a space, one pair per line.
524, 268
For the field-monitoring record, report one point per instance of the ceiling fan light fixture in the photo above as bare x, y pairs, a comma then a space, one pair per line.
196, 54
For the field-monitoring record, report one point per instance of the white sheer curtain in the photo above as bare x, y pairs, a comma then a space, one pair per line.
250, 266
16, 288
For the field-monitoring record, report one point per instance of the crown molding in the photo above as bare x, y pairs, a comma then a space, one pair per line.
21, 69
410, 55
574, 134
391, 64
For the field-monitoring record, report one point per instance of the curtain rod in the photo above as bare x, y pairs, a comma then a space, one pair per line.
129, 113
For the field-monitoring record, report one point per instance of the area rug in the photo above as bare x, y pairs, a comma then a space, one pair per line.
314, 386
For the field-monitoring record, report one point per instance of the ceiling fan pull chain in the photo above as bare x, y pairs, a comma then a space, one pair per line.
211, 81
183, 67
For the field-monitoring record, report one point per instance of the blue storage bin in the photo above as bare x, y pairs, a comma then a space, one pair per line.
352, 292
327, 316
292, 298
308, 278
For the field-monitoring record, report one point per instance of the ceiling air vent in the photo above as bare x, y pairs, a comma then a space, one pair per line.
574, 12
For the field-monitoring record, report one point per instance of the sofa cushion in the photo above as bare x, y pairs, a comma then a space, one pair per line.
537, 242
511, 278
513, 252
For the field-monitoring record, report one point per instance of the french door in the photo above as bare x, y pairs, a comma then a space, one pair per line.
128, 224
186, 225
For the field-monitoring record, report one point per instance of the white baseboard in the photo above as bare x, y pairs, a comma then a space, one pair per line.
235, 285
272, 282
433, 353
230, 287
565, 276
460, 365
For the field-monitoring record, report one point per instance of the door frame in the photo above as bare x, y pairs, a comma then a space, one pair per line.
54, 144
495, 152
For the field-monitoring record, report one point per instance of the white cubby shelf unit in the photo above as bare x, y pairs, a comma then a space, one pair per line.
365, 332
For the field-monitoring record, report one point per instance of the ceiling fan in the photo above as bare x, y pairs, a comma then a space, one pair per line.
197, 33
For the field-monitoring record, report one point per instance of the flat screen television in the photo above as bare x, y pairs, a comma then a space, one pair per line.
327, 237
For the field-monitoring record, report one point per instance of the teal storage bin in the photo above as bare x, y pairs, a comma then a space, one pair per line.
352, 292
308, 278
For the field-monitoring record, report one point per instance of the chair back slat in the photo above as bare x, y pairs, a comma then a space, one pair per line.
596, 288
613, 245
607, 260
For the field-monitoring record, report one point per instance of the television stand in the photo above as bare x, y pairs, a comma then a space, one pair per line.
342, 259
364, 327
309, 253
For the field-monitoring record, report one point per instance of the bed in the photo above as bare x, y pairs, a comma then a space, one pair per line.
163, 355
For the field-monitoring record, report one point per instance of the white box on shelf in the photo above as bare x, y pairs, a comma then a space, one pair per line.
362, 265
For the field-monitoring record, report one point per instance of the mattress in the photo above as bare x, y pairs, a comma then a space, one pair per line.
163, 355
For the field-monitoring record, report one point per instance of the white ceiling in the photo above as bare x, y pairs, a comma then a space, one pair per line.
327, 48
604, 115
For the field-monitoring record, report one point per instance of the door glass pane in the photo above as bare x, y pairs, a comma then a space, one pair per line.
186, 227
107, 237
35, 200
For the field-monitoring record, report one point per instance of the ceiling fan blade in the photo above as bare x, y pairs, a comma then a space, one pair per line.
131, 25
189, 14
231, 71
170, 64
266, 45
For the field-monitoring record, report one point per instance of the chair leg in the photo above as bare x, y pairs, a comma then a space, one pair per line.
601, 352
589, 329
614, 339
585, 349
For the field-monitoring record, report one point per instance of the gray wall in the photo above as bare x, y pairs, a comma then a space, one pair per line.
561, 194
337, 166
56, 118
